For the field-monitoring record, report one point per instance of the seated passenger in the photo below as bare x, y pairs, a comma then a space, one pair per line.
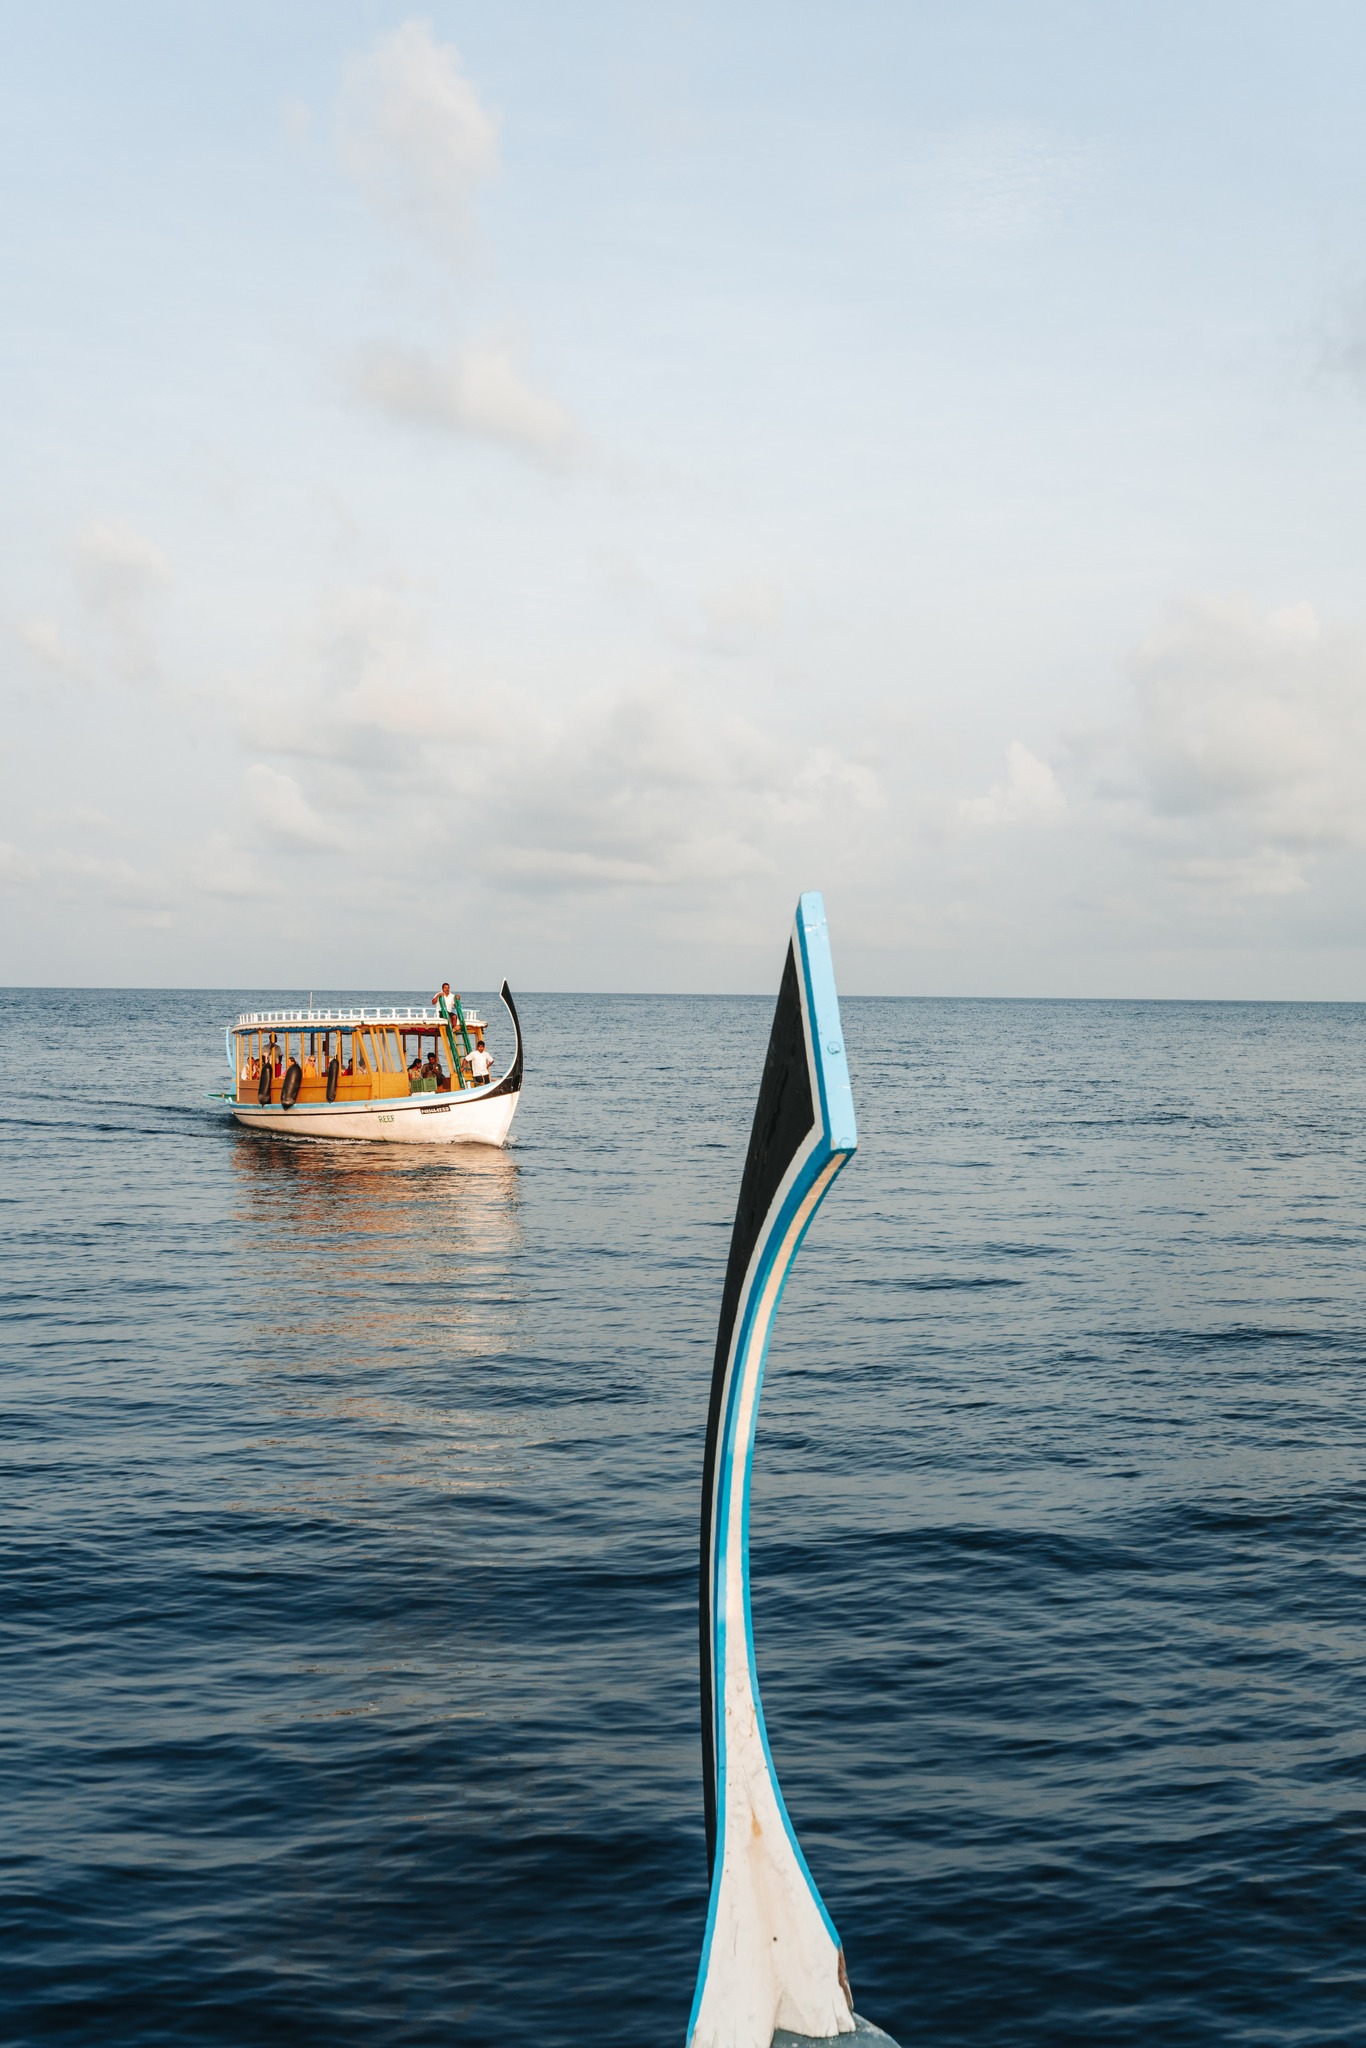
310, 1067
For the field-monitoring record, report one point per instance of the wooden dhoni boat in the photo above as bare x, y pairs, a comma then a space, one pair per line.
772, 1972
346, 1073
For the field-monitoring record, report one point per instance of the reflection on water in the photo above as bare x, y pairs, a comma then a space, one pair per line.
360, 1260
467, 1195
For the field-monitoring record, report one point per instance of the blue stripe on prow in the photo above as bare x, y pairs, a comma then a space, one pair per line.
827, 1032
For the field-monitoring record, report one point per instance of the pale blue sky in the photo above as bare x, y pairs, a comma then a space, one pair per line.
531, 489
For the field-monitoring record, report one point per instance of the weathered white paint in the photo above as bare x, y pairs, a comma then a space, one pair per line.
773, 1960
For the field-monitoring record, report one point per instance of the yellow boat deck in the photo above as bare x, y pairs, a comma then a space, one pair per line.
353, 1055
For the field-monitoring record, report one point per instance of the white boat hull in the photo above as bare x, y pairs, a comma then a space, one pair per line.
472, 1116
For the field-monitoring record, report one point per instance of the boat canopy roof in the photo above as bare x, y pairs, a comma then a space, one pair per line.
420, 1017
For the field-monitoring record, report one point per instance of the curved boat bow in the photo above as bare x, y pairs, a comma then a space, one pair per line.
772, 1973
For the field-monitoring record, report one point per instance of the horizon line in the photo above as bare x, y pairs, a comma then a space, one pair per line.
661, 995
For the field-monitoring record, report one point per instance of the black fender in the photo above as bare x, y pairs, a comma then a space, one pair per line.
290, 1086
333, 1076
263, 1086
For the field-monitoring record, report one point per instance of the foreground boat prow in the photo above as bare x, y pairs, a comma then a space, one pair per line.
772, 1972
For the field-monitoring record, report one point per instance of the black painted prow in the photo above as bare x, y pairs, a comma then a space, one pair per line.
784, 1117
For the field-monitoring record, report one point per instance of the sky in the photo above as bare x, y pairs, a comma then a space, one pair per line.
529, 490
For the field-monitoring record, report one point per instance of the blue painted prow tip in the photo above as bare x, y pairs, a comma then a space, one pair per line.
827, 1032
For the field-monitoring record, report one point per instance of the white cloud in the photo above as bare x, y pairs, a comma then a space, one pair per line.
116, 567
113, 881
418, 141
1243, 769
15, 865
656, 788
361, 687
83, 816
108, 881
415, 137
653, 785
1029, 795
218, 866
480, 392
1252, 727
284, 812
43, 638
1266, 873
743, 613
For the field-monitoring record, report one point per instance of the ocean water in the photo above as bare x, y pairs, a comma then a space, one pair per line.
347, 1613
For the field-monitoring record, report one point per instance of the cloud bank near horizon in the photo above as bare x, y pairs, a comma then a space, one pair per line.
367, 760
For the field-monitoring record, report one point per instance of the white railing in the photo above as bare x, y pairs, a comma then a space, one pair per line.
340, 1018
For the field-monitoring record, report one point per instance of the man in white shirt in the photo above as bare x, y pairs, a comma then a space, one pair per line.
481, 1065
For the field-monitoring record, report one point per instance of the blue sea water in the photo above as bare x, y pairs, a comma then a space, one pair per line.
348, 1605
